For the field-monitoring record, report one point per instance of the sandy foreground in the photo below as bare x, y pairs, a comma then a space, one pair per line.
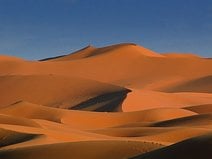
116, 102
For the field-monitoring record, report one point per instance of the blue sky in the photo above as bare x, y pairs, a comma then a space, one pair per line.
35, 29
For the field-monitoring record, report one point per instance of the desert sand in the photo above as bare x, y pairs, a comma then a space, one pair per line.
115, 102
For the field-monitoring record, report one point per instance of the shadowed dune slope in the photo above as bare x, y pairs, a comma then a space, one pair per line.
194, 148
107, 102
8, 137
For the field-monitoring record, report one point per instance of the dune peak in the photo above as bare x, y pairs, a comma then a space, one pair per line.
91, 51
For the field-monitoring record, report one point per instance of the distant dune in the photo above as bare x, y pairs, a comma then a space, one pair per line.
119, 101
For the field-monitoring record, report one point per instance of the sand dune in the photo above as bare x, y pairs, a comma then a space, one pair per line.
54, 90
175, 135
91, 150
87, 120
200, 109
161, 135
6, 119
125, 65
91, 51
8, 137
146, 99
117, 101
202, 84
191, 148
195, 120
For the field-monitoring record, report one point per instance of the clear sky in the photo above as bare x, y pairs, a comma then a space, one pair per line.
36, 29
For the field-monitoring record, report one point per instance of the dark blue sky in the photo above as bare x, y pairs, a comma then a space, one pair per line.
36, 29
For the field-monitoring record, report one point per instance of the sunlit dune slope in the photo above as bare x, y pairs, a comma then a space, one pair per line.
12, 120
59, 91
147, 99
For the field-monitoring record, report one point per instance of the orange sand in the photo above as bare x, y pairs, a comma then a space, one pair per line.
119, 101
